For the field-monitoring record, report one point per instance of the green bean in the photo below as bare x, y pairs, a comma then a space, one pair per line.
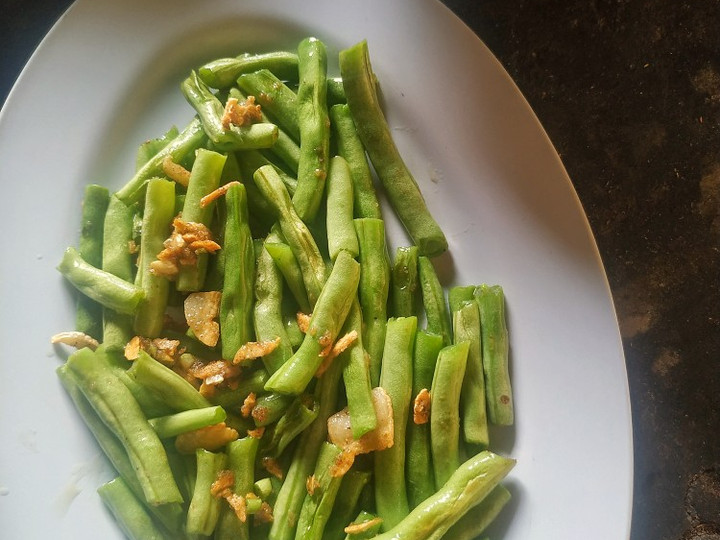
370, 532
129, 513
467, 486
149, 149
204, 509
103, 287
204, 179
335, 91
253, 159
157, 219
263, 488
292, 493
210, 111
170, 515
350, 147
180, 148
460, 295
491, 301
346, 503
241, 461
374, 288
477, 519
433, 297
289, 267
326, 321
295, 231
276, 99
314, 126
178, 393
269, 408
400, 186
237, 299
298, 416
445, 410
396, 378
88, 313
118, 409
223, 72
117, 259
317, 505
267, 313
356, 375
405, 281
418, 456
340, 230
184, 421
466, 327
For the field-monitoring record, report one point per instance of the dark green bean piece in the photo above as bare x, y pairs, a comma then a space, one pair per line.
276, 99
292, 493
237, 300
314, 126
241, 461
269, 408
173, 388
326, 321
317, 506
433, 297
340, 229
295, 231
204, 179
400, 186
184, 421
335, 91
466, 327
267, 312
204, 509
103, 287
405, 282
350, 147
371, 531
129, 512
445, 410
288, 265
298, 416
396, 378
180, 148
223, 72
253, 159
211, 110
374, 288
467, 486
170, 515
157, 220
495, 349
478, 518
346, 504
150, 148
356, 376
117, 259
457, 296
118, 409
418, 456
88, 314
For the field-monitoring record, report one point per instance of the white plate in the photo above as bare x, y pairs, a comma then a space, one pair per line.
106, 78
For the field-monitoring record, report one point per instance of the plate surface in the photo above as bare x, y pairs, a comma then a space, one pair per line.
106, 78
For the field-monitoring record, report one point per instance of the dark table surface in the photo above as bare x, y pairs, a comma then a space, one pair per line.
629, 93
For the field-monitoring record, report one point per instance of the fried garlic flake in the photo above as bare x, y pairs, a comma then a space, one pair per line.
165, 351
182, 247
273, 467
175, 171
248, 405
223, 483
213, 373
265, 514
201, 309
303, 321
75, 339
421, 407
210, 438
311, 484
219, 192
255, 349
239, 113
337, 349
356, 528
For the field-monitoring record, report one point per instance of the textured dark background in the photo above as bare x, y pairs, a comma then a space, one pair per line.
629, 93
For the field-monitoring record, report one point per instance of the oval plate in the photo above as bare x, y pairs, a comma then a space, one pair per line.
106, 78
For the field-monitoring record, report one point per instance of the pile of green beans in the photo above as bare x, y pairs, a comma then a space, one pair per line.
303, 275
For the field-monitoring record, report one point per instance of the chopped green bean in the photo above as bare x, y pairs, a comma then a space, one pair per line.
478, 518
204, 509
223, 72
184, 421
405, 282
340, 229
130, 514
433, 297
